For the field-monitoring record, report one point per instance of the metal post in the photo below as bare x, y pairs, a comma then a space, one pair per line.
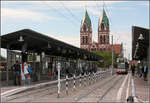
40, 69
34, 70
74, 82
8, 65
89, 78
98, 76
149, 68
112, 57
95, 77
80, 80
67, 84
92, 78
84, 79
59, 66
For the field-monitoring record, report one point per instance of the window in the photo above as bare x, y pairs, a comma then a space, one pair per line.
86, 39
104, 39
101, 39
84, 28
83, 40
102, 26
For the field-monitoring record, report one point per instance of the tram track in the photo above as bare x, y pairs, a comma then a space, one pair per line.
108, 90
81, 97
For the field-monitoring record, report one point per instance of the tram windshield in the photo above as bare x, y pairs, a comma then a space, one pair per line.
121, 65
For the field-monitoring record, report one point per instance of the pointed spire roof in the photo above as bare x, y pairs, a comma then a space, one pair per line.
104, 19
86, 20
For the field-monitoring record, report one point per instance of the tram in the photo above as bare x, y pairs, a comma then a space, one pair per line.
122, 67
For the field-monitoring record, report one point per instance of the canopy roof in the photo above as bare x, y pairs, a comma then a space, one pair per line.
37, 42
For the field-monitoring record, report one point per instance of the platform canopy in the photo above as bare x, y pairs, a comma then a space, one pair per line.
38, 43
140, 43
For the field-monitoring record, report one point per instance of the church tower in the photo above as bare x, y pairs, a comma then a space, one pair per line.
103, 29
86, 32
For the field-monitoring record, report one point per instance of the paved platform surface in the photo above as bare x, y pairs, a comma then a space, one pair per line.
49, 94
142, 88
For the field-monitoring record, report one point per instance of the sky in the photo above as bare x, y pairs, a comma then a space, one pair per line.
62, 19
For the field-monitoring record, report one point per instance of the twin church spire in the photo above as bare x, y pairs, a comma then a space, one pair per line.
86, 30
102, 21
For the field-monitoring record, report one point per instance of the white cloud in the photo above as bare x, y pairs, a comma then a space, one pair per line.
72, 39
24, 14
118, 37
124, 37
94, 11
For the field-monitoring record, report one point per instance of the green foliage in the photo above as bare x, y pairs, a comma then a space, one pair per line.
2, 58
107, 58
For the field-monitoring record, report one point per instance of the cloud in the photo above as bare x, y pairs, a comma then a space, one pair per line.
124, 37
94, 11
24, 14
70, 39
118, 37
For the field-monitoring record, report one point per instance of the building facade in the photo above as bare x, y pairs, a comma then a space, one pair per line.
103, 35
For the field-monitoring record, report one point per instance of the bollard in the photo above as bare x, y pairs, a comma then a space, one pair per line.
89, 78
92, 77
84, 79
74, 82
67, 84
95, 77
99, 77
80, 80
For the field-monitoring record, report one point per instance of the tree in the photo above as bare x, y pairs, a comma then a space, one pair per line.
2, 58
107, 58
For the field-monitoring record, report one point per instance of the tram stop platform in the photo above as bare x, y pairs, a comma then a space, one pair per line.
10, 90
141, 89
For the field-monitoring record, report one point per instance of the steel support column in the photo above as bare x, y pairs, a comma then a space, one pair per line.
8, 64
148, 58
34, 68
